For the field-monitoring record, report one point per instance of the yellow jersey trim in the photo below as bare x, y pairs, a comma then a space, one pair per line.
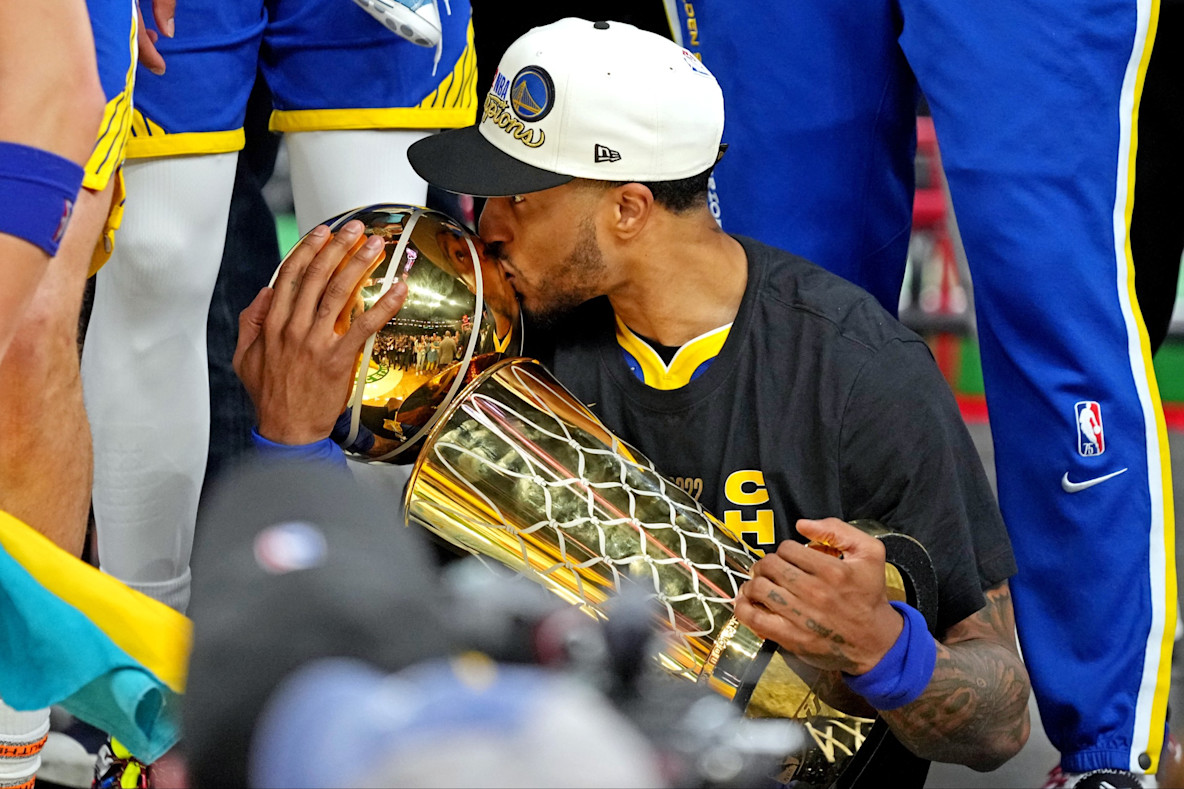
106, 243
111, 145
389, 118
156, 142
689, 357
155, 635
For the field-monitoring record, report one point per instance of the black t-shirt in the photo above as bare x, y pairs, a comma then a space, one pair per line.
819, 404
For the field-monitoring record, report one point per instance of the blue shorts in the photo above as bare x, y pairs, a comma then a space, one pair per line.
1035, 105
329, 65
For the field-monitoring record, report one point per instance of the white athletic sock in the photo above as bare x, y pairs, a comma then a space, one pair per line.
144, 366
336, 171
21, 740
174, 593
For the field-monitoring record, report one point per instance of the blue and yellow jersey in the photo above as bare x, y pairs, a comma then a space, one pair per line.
329, 66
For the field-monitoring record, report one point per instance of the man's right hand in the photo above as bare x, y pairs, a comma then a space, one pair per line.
295, 366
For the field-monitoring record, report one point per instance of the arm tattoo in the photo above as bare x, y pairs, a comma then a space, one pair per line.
975, 709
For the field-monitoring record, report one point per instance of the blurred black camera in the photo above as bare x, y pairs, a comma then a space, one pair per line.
700, 738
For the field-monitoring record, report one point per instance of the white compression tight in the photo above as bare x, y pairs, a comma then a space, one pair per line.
335, 171
144, 370
144, 367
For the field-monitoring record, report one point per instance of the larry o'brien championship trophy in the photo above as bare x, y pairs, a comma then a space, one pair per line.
513, 467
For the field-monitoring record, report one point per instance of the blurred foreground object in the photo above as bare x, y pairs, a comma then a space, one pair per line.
296, 563
461, 722
517, 469
107, 654
460, 316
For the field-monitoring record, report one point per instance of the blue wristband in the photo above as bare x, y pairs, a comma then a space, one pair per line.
362, 444
905, 670
323, 451
37, 194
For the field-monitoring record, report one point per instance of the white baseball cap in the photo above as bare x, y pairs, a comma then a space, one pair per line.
580, 99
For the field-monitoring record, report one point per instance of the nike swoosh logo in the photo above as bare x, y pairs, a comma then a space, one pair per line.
1077, 487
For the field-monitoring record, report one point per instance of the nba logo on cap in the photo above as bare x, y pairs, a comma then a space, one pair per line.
1090, 439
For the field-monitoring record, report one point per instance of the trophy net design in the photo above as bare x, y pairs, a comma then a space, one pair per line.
518, 470
564, 500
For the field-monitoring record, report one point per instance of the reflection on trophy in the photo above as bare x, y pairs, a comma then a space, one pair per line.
460, 316
517, 469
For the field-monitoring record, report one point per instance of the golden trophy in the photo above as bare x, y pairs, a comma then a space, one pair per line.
459, 317
515, 468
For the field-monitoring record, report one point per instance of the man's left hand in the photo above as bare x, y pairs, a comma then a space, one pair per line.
296, 366
831, 611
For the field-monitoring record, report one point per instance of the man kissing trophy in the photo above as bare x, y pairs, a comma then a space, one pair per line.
511, 466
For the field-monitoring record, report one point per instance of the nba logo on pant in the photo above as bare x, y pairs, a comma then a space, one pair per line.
1090, 439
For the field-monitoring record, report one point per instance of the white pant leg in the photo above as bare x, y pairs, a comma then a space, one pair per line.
144, 369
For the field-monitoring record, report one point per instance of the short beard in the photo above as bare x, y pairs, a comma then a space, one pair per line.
576, 282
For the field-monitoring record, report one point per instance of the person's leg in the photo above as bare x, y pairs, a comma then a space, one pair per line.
1034, 105
144, 369
144, 363
22, 737
821, 109
347, 138
250, 258
335, 171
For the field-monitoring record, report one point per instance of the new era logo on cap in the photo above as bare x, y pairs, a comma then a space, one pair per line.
603, 153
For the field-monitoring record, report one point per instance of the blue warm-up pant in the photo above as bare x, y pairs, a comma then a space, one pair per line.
1035, 103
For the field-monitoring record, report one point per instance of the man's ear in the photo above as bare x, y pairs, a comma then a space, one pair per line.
633, 206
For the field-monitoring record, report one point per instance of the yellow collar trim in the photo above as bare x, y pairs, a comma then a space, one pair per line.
688, 358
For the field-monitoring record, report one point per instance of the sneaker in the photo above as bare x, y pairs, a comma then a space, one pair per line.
1098, 779
116, 768
418, 21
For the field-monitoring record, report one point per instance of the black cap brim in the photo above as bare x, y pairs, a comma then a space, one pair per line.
462, 161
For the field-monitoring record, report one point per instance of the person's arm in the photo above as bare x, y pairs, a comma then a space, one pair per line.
975, 709
966, 701
296, 366
50, 111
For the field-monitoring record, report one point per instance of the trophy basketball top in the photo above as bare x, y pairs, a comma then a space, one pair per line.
460, 316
